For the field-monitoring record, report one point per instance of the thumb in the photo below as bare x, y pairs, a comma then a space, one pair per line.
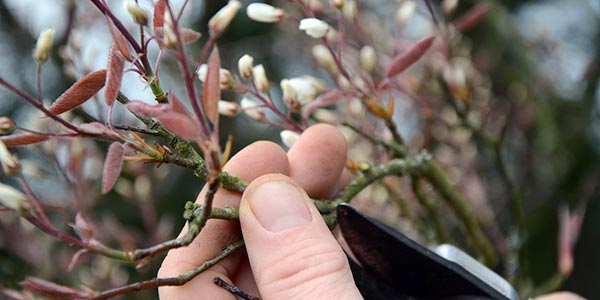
292, 253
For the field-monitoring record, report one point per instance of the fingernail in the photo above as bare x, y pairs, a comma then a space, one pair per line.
279, 205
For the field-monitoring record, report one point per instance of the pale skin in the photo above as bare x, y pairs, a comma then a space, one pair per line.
290, 253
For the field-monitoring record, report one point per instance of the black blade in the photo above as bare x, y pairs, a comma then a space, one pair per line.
406, 267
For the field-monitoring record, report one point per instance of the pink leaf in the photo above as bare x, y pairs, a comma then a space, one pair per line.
180, 124
22, 139
177, 105
112, 166
407, 58
83, 229
211, 92
79, 92
51, 289
147, 110
119, 40
330, 97
159, 14
472, 17
114, 75
95, 128
569, 230
188, 35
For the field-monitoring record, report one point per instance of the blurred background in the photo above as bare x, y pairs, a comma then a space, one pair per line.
544, 54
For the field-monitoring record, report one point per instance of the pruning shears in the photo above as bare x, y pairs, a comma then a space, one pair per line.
392, 266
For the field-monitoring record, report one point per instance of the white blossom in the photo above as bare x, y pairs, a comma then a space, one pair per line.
245, 64
43, 45
13, 198
137, 13
264, 13
225, 78
314, 27
304, 88
252, 109
367, 58
289, 137
227, 108
260, 78
10, 163
219, 22
405, 12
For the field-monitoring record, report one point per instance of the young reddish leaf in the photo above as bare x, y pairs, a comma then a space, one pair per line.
180, 124
159, 14
178, 106
147, 110
188, 35
83, 229
22, 139
95, 128
407, 58
112, 166
114, 75
51, 289
330, 97
79, 92
211, 92
472, 17
119, 40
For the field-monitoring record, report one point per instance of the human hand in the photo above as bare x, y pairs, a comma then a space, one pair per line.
290, 252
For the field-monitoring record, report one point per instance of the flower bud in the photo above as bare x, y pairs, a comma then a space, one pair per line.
303, 89
245, 65
325, 116
350, 9
289, 137
405, 12
314, 27
10, 163
339, 4
344, 83
225, 77
13, 198
43, 46
260, 78
228, 109
448, 6
324, 58
169, 37
138, 14
6, 125
252, 109
219, 22
264, 13
367, 58
289, 94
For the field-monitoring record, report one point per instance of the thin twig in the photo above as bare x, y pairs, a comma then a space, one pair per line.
170, 281
233, 289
